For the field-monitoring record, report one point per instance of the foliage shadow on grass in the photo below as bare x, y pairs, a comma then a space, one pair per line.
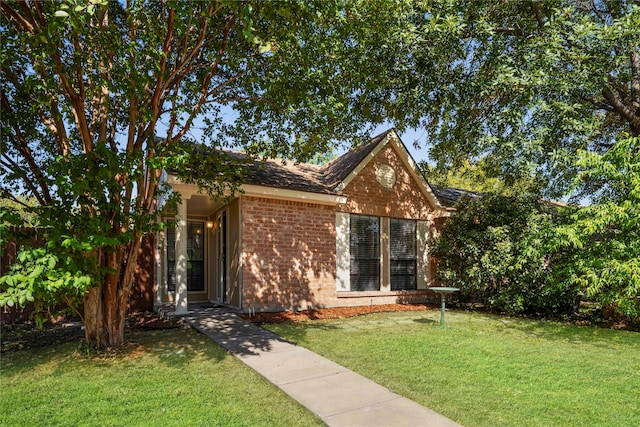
552, 331
180, 350
427, 321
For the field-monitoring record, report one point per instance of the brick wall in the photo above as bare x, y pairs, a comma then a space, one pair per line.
288, 254
404, 200
289, 248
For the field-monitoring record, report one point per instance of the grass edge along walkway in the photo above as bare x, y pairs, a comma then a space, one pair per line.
485, 370
172, 377
340, 397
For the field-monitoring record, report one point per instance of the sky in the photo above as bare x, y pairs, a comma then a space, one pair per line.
419, 152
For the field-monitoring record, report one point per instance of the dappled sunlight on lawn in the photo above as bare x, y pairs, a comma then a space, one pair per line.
488, 370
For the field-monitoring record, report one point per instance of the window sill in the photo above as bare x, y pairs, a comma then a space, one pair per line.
369, 294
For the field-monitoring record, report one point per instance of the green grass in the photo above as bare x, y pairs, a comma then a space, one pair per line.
168, 378
487, 370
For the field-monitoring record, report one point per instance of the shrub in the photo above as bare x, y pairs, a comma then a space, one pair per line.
499, 251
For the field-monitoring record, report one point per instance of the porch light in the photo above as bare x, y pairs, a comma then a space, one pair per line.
209, 225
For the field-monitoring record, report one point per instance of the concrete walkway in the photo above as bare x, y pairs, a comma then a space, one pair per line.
337, 395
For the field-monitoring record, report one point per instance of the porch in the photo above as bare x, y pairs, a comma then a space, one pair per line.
198, 253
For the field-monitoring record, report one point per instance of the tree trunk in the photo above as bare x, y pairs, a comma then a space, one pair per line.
106, 306
94, 331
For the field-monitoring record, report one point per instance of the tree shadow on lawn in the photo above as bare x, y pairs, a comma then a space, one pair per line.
566, 332
428, 321
171, 347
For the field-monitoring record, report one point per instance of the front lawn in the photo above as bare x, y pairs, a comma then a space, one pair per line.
170, 378
487, 370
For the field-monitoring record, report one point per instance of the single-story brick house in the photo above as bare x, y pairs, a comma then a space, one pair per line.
352, 232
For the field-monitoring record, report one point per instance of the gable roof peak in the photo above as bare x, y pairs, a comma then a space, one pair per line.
338, 170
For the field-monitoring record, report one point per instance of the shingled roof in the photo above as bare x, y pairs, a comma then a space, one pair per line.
335, 172
325, 179
275, 173
448, 197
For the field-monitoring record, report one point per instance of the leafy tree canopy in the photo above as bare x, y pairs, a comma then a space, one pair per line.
547, 92
523, 86
474, 177
499, 250
88, 86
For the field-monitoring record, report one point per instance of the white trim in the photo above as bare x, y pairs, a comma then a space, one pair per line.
343, 253
240, 255
181, 260
160, 253
363, 163
410, 164
292, 195
422, 262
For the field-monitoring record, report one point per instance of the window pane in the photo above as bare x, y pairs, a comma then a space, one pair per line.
365, 253
402, 242
195, 257
171, 258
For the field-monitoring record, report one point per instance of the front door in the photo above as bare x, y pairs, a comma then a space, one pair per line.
221, 253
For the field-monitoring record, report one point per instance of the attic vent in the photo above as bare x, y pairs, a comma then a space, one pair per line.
386, 176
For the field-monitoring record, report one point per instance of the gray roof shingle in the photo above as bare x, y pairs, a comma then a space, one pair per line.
277, 173
335, 172
448, 197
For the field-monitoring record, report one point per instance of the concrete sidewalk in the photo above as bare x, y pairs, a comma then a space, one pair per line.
337, 395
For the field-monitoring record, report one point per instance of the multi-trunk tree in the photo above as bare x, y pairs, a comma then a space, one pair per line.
99, 96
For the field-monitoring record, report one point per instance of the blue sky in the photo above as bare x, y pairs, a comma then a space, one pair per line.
410, 136
419, 152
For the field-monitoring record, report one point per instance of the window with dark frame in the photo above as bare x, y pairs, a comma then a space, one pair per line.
403, 254
364, 247
195, 257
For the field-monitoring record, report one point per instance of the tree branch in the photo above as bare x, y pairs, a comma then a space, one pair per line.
635, 80
21, 145
156, 99
204, 93
599, 104
624, 111
54, 123
538, 13
14, 15
9, 164
77, 103
8, 195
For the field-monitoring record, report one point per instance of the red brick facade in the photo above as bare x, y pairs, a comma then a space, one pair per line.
289, 248
284, 253
288, 254
404, 200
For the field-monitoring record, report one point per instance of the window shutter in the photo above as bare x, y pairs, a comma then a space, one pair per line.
343, 257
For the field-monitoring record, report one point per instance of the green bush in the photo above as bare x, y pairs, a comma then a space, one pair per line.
499, 250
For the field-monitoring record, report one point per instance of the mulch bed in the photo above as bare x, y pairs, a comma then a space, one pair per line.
331, 313
26, 335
